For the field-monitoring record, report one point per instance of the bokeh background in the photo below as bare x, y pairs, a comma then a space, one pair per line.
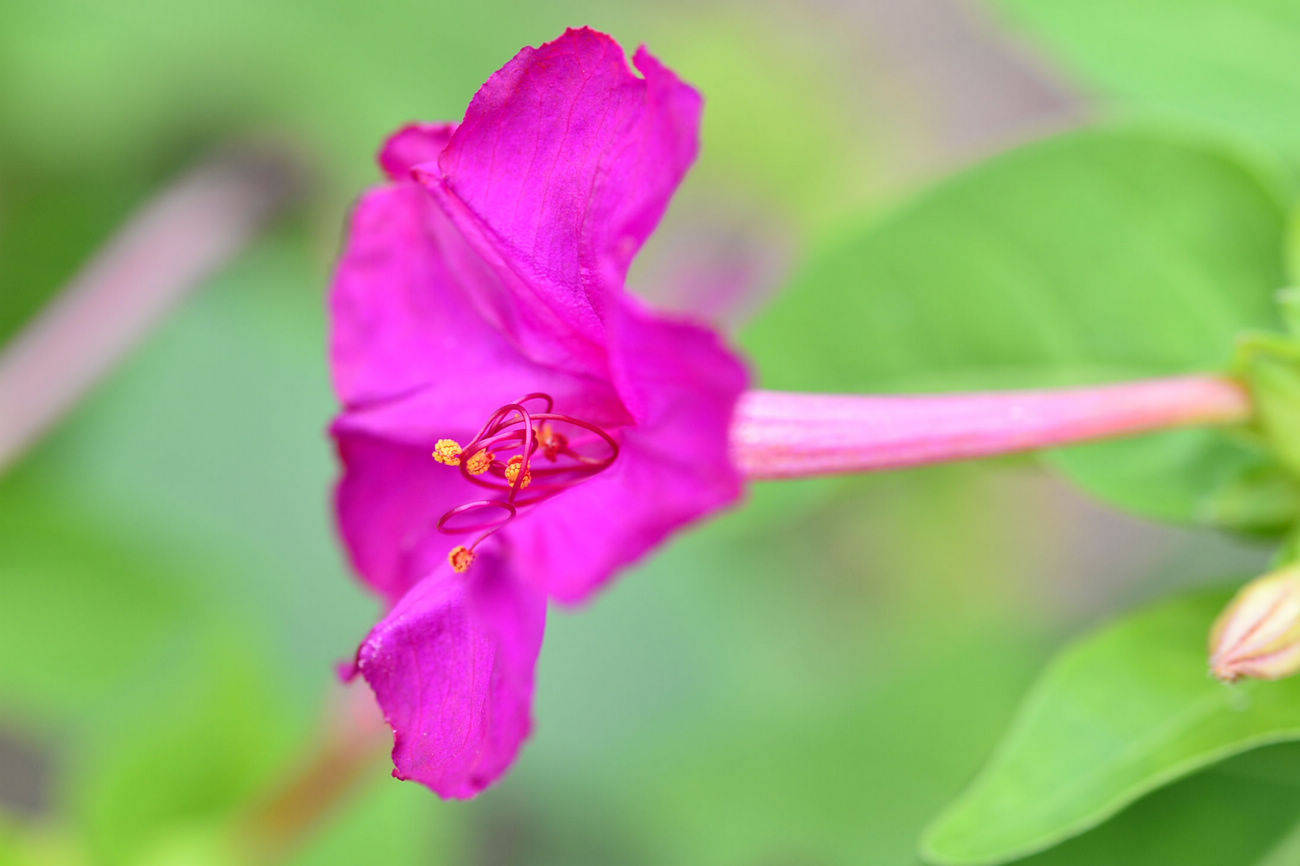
807, 680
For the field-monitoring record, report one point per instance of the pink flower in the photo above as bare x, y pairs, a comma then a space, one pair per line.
515, 425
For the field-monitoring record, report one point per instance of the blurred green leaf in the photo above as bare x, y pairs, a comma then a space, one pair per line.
84, 603
755, 77
1121, 712
846, 780
1201, 476
1094, 256
198, 844
1219, 817
36, 844
189, 745
1229, 65
10, 855
1287, 850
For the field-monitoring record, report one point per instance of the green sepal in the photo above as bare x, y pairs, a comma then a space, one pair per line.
1270, 366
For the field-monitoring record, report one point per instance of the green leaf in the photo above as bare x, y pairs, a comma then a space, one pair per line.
1200, 476
1286, 852
1121, 712
1219, 817
1090, 257
1227, 65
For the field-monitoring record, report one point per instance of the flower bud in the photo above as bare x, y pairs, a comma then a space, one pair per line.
1258, 633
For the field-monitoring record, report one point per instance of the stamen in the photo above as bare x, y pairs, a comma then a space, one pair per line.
513, 467
461, 558
479, 463
447, 451
513, 428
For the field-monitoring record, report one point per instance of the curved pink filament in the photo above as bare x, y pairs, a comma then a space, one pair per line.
468, 507
512, 428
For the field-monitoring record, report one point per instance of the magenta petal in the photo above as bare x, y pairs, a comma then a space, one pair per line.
395, 322
406, 307
411, 145
422, 302
388, 502
452, 668
681, 384
571, 158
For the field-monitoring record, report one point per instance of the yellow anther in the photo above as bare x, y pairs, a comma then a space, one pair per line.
461, 559
480, 462
447, 451
513, 465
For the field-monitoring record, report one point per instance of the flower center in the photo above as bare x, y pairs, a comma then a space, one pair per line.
503, 457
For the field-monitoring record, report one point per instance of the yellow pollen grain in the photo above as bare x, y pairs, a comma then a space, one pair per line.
512, 471
479, 463
447, 451
461, 559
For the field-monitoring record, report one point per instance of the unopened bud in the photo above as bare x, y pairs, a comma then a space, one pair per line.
1258, 633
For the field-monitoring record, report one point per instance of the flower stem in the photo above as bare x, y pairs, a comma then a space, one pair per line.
789, 435
176, 240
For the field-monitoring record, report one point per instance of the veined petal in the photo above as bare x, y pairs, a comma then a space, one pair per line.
415, 308
452, 668
571, 159
400, 314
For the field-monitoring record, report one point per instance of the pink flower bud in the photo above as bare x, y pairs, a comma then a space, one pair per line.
1258, 633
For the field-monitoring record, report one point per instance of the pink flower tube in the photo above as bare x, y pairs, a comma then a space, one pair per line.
781, 435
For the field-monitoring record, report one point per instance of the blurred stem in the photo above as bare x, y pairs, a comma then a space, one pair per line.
176, 239
343, 758
786, 435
